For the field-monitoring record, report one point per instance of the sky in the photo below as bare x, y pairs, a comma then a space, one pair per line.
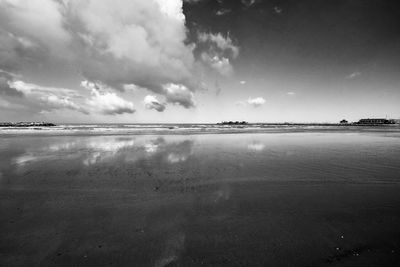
199, 61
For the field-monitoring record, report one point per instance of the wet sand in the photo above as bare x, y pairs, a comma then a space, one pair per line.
272, 199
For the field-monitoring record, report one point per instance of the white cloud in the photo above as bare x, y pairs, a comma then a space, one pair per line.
253, 102
101, 99
221, 42
220, 64
291, 93
179, 94
256, 102
353, 75
56, 102
44, 98
109, 103
242, 82
151, 102
40, 20
5, 88
172, 9
117, 42
220, 52
106, 102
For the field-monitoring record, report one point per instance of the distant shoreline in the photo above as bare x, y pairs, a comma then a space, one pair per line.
26, 124
231, 125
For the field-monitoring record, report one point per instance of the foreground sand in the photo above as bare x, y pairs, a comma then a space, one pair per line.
298, 199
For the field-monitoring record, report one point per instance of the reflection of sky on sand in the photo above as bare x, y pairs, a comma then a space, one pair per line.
103, 149
164, 150
89, 151
165, 199
213, 158
174, 245
256, 146
179, 152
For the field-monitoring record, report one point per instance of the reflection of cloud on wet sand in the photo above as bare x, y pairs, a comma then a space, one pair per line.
180, 152
97, 150
160, 148
174, 158
256, 146
173, 248
151, 148
25, 158
101, 151
90, 152
223, 193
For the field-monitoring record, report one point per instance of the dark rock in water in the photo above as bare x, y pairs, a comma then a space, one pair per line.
26, 124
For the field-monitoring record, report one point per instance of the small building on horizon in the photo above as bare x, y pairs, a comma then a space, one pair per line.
375, 121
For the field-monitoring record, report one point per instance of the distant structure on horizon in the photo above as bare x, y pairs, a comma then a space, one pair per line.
375, 121
344, 121
233, 122
26, 124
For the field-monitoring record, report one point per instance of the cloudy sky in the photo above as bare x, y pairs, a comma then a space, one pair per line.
199, 60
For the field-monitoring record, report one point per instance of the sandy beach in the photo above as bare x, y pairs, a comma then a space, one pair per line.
256, 199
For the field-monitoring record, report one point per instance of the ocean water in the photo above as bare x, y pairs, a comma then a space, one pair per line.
154, 129
295, 197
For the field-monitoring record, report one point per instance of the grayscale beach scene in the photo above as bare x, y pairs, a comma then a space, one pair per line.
163, 133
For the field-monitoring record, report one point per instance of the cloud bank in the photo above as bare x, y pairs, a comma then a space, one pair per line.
100, 99
115, 42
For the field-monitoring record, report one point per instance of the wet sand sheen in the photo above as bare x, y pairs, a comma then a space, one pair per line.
304, 199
